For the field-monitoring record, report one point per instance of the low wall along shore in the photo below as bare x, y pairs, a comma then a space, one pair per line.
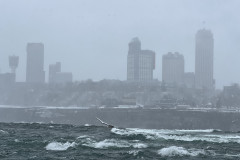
129, 118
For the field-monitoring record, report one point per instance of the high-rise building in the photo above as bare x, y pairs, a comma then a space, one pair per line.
6, 79
35, 63
53, 70
189, 79
56, 76
63, 77
140, 63
204, 60
173, 68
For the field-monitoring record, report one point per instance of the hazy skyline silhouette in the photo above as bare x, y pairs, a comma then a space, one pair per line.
90, 38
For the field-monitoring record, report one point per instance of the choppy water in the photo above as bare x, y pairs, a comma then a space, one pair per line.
34, 141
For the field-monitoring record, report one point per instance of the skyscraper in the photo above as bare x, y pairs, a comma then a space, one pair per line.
35, 63
173, 68
57, 76
140, 63
53, 69
204, 60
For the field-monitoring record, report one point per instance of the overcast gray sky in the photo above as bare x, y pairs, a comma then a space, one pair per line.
90, 37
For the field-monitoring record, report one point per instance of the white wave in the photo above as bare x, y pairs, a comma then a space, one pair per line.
83, 136
197, 130
107, 143
87, 125
133, 152
179, 151
3, 132
179, 135
231, 155
139, 145
16, 140
57, 146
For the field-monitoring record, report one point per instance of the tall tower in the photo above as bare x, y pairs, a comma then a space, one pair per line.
204, 45
173, 68
13, 64
140, 63
35, 63
134, 48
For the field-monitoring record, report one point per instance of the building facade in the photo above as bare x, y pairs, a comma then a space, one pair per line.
140, 63
189, 79
35, 63
57, 76
53, 70
63, 77
173, 68
204, 48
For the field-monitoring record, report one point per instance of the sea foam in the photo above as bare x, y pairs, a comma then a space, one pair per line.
179, 151
179, 135
3, 132
108, 143
133, 152
57, 146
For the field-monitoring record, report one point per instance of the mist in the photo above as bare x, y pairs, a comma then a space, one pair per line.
90, 38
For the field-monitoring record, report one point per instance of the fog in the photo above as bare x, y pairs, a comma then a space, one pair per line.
90, 38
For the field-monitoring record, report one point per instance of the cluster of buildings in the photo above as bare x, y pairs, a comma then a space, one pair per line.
141, 63
35, 68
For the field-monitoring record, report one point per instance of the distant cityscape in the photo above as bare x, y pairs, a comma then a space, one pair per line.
176, 87
140, 65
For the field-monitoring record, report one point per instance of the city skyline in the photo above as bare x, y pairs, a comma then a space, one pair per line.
89, 36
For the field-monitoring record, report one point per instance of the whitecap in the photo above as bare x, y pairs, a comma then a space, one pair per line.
179, 135
231, 155
3, 132
133, 152
179, 151
87, 125
108, 143
139, 145
197, 130
83, 136
57, 146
